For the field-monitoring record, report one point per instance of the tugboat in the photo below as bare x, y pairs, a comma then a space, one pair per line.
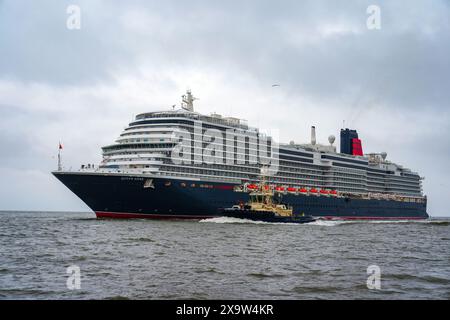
263, 206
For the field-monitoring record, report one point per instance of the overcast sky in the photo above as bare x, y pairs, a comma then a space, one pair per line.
84, 86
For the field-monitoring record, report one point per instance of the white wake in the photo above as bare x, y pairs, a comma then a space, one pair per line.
319, 222
241, 221
231, 220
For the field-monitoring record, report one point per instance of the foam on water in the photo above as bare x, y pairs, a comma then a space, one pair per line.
322, 223
326, 259
233, 220
327, 223
242, 221
426, 221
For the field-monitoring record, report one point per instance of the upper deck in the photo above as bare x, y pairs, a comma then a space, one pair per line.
213, 119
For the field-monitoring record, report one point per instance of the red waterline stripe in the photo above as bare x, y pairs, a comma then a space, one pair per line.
124, 215
224, 187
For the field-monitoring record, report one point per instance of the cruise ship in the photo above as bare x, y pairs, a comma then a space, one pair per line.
181, 164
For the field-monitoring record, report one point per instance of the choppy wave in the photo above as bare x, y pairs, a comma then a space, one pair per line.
326, 223
141, 239
262, 275
331, 223
117, 298
427, 222
325, 259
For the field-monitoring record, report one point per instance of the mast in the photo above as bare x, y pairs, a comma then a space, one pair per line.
188, 101
59, 157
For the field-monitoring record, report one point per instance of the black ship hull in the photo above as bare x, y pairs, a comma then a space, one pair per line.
135, 196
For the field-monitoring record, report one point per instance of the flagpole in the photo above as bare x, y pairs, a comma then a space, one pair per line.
59, 157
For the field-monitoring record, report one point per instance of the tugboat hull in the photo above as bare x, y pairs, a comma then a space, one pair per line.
265, 216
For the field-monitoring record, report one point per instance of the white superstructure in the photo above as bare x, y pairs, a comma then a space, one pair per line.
145, 147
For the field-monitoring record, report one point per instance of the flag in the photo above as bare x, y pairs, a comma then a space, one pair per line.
60, 146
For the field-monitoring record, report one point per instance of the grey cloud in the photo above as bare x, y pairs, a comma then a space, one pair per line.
402, 62
329, 65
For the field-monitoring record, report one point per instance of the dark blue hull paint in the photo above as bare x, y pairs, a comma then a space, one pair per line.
125, 196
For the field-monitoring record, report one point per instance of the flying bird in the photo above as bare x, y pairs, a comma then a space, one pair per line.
275, 85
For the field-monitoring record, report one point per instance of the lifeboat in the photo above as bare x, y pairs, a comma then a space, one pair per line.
313, 190
279, 188
292, 189
333, 192
324, 192
302, 190
252, 186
